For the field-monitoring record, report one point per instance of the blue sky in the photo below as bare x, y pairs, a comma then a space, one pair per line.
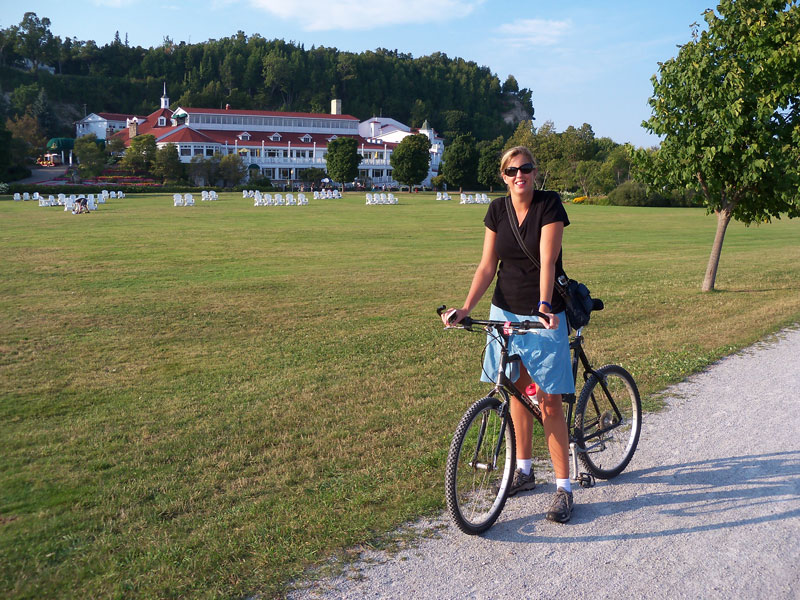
585, 61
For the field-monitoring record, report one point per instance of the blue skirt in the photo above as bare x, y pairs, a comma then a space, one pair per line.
544, 352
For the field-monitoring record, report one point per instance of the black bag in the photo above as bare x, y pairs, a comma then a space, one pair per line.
576, 295
579, 301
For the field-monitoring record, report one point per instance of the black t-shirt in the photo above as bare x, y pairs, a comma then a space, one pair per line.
517, 288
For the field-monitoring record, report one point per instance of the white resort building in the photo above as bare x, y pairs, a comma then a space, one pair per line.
279, 145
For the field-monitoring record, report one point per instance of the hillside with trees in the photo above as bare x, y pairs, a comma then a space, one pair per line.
248, 72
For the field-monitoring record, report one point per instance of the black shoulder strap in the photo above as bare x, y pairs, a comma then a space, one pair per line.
512, 221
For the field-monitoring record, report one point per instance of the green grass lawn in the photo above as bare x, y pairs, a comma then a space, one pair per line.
202, 401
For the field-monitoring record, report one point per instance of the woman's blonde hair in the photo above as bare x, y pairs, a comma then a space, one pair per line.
516, 151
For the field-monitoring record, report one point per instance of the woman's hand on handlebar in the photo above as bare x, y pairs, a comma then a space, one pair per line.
551, 322
453, 315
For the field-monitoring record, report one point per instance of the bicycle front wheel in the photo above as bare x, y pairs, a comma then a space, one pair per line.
480, 466
608, 421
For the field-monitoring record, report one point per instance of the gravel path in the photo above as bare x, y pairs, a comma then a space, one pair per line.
708, 508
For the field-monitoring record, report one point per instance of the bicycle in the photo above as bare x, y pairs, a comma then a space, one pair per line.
481, 460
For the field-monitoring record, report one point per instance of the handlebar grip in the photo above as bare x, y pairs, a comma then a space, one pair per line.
466, 321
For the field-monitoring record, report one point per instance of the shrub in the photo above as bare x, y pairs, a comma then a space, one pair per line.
633, 193
3, 188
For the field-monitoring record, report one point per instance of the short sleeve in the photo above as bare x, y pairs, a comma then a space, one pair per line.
493, 214
554, 210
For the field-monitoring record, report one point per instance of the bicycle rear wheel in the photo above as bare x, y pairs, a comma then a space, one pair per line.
480, 466
608, 421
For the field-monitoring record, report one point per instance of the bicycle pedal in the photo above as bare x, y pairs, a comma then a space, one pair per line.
586, 480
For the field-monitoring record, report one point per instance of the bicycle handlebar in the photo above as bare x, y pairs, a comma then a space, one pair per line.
467, 322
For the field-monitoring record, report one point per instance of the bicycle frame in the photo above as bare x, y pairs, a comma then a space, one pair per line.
506, 388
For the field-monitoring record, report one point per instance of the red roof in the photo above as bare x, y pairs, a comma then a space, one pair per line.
185, 134
114, 116
263, 113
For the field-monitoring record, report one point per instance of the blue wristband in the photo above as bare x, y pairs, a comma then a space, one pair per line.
547, 304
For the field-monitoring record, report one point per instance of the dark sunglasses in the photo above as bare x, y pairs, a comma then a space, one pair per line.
512, 171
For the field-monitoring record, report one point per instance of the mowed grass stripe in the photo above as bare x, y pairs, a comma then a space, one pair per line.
200, 401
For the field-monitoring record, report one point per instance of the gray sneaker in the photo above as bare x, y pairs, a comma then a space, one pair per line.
561, 507
521, 482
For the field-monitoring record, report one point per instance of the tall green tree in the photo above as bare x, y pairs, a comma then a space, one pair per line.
489, 154
232, 169
728, 109
411, 159
35, 40
460, 162
91, 156
140, 154
167, 164
343, 159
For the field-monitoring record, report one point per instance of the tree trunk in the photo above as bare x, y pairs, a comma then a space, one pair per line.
723, 218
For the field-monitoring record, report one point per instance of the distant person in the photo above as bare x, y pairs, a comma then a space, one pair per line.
523, 288
81, 205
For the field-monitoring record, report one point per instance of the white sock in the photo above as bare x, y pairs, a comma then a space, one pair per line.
564, 483
524, 465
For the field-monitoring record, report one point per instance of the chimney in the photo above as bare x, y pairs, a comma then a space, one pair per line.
336, 107
133, 128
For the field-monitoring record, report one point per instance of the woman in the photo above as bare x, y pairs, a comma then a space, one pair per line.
522, 289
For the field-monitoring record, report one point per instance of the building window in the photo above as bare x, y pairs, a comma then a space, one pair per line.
209, 151
275, 137
306, 138
285, 174
162, 121
186, 151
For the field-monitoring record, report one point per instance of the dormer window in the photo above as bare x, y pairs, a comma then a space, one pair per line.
244, 136
275, 137
162, 121
333, 137
306, 138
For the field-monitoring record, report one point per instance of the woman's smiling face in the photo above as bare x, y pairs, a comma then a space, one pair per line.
519, 182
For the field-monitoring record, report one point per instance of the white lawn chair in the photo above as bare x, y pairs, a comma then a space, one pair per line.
177, 200
120, 194
90, 202
302, 200
392, 199
369, 198
214, 195
244, 193
316, 195
51, 201
204, 196
17, 197
463, 198
257, 199
188, 200
36, 196
278, 201
112, 194
26, 196
290, 200
62, 199
43, 201
266, 199
69, 203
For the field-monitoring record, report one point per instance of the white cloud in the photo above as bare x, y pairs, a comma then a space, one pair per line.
533, 32
325, 15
